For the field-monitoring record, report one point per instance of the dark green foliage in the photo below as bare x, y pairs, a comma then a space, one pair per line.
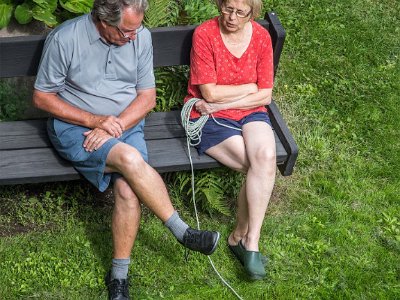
197, 11
13, 101
171, 83
215, 190
161, 13
50, 12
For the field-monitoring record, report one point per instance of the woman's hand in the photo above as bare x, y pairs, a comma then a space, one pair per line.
95, 138
205, 108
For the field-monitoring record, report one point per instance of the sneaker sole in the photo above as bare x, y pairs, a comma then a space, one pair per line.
215, 245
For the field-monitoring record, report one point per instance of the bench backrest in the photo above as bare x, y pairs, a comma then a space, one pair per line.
20, 56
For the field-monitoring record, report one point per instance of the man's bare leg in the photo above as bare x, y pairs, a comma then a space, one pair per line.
149, 188
125, 226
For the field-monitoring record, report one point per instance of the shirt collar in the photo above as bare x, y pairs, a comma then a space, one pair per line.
92, 32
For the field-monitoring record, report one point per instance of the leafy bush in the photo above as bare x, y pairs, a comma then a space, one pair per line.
198, 11
171, 85
161, 13
215, 190
12, 104
50, 12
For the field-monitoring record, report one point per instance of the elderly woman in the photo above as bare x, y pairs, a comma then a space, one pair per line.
232, 75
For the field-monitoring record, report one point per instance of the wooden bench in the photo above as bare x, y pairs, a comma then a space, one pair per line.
26, 155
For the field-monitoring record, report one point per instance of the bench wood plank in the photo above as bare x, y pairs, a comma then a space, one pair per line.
44, 165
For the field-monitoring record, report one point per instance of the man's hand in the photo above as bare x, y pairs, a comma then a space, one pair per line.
95, 138
111, 124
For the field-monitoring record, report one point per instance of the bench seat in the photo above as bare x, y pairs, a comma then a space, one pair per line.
27, 155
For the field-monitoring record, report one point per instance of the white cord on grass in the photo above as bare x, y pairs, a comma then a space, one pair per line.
193, 132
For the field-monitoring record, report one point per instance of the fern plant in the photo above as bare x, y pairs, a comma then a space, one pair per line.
197, 11
171, 83
161, 13
209, 191
215, 191
12, 100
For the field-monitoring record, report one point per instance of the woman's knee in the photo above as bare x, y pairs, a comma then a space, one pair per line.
264, 157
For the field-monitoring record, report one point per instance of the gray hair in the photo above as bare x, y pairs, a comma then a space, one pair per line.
110, 11
256, 6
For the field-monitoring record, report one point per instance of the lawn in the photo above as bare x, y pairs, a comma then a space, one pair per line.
332, 229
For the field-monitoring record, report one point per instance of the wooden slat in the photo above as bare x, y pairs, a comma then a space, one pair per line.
33, 133
23, 134
43, 165
34, 165
20, 56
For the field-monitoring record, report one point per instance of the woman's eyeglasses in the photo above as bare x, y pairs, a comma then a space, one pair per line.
238, 13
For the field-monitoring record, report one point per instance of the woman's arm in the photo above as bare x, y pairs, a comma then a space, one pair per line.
261, 98
214, 93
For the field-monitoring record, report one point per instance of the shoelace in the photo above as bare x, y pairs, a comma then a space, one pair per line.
121, 288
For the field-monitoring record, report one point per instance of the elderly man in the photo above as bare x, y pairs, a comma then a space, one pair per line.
96, 80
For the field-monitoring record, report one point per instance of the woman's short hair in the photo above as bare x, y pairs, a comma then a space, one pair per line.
256, 6
110, 11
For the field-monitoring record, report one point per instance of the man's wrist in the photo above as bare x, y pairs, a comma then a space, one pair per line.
93, 121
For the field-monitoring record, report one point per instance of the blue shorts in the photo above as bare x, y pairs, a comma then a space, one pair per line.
68, 139
213, 133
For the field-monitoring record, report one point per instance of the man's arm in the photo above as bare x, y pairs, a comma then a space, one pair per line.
138, 109
58, 108
133, 114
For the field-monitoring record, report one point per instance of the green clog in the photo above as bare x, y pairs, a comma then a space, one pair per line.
253, 261
253, 265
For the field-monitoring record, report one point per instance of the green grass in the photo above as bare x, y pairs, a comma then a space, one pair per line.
333, 228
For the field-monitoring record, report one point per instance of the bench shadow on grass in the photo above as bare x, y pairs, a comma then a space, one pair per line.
95, 214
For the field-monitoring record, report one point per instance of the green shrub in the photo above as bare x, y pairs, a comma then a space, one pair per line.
50, 12
12, 103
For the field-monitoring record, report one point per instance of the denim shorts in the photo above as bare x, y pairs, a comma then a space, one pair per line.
68, 140
214, 133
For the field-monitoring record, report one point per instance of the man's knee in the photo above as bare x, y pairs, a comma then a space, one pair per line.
126, 159
124, 195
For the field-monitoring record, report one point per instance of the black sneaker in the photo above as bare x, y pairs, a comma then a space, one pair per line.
202, 241
118, 289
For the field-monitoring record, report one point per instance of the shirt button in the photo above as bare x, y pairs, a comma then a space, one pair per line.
109, 61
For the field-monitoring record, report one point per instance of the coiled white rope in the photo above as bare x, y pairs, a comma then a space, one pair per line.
192, 129
193, 133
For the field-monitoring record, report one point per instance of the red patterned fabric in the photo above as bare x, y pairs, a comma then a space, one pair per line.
211, 62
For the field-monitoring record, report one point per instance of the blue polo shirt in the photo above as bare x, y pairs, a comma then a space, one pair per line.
90, 74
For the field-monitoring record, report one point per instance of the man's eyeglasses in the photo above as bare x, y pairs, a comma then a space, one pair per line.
238, 13
129, 34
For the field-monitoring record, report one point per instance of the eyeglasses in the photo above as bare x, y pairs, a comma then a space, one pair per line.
128, 35
238, 13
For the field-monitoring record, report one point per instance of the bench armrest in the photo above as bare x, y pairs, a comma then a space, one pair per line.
288, 142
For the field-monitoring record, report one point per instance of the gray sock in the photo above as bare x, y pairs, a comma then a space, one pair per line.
119, 268
177, 226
